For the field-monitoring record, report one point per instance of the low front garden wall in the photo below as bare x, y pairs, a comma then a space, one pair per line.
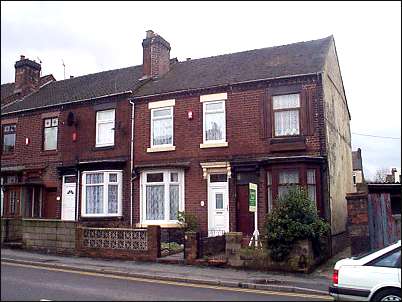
49, 235
119, 243
11, 229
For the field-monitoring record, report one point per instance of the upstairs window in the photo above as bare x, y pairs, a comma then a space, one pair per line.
286, 114
50, 133
105, 122
214, 122
9, 132
162, 127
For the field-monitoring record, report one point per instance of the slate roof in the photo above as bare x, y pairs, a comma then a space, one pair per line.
272, 62
7, 90
81, 88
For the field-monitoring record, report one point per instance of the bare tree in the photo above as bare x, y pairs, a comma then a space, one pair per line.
381, 175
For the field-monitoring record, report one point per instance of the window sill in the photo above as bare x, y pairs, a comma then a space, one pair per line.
103, 148
100, 216
161, 149
214, 145
288, 143
49, 152
8, 155
162, 225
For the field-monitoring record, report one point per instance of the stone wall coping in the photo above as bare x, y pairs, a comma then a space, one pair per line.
47, 220
10, 218
356, 195
112, 229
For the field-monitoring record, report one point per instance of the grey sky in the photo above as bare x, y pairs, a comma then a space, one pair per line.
97, 36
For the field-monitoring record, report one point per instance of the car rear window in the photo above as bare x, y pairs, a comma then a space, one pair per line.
390, 259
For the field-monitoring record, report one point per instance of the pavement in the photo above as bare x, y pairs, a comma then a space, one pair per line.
315, 283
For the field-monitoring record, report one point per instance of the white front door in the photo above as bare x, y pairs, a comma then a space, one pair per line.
218, 209
68, 198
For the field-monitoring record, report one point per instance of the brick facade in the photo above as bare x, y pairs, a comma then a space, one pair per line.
252, 150
246, 139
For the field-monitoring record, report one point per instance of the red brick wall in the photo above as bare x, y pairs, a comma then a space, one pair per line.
357, 223
30, 125
244, 136
32, 156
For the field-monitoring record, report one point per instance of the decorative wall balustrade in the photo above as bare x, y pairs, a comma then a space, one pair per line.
115, 239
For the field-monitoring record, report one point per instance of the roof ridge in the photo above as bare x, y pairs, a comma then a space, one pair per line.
99, 72
263, 48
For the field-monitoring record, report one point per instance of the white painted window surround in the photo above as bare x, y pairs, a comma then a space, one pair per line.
162, 196
101, 193
162, 117
214, 120
105, 124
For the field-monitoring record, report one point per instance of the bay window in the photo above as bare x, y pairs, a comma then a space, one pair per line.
162, 196
162, 127
281, 178
101, 193
286, 110
50, 133
105, 123
287, 180
311, 185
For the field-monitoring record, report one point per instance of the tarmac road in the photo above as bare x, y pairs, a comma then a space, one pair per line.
28, 282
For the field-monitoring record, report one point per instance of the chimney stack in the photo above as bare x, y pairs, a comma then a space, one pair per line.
27, 76
156, 55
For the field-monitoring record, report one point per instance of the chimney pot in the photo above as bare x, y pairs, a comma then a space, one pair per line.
188, 59
22, 57
71, 76
150, 34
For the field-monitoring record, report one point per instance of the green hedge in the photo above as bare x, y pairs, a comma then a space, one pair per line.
295, 218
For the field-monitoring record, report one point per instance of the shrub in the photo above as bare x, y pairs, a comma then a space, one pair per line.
189, 221
295, 218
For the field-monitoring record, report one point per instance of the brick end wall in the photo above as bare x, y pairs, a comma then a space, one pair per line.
357, 222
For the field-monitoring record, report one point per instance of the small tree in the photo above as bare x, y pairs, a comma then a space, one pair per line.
189, 221
295, 218
381, 175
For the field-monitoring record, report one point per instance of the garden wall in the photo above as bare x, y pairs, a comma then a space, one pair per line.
48, 235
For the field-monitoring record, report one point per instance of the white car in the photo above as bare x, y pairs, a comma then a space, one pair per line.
371, 277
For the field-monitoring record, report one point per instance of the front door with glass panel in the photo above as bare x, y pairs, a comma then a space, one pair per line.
68, 198
218, 206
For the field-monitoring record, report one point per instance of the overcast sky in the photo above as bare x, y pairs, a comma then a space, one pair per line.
97, 36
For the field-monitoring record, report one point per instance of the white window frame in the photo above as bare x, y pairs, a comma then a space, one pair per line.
204, 113
166, 182
105, 184
159, 118
98, 144
52, 119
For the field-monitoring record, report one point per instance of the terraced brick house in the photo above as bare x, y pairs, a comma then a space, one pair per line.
131, 147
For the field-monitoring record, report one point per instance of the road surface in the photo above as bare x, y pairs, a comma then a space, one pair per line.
27, 282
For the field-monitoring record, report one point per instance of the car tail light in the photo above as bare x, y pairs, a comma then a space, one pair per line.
335, 277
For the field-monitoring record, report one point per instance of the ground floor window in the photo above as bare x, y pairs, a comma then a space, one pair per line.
280, 179
287, 180
162, 196
101, 193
